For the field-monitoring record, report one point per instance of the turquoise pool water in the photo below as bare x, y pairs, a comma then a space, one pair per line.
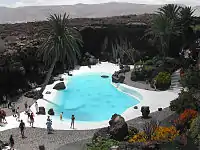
91, 98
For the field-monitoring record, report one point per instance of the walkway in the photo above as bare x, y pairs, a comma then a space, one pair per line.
175, 82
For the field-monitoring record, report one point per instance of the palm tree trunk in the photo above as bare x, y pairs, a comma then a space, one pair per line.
48, 75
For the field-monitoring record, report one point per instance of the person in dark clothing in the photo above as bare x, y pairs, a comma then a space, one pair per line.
11, 140
22, 127
72, 122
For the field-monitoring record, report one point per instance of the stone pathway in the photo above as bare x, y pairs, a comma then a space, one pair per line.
175, 82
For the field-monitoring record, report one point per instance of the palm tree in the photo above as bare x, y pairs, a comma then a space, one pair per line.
171, 11
161, 29
186, 21
62, 44
186, 17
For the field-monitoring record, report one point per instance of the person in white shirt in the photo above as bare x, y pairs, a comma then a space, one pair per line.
29, 112
36, 107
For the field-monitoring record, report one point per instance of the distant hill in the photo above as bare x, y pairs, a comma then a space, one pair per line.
39, 13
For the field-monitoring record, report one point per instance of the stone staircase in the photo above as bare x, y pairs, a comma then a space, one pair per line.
175, 82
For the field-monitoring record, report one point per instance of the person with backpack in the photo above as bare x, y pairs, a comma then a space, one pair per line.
22, 127
11, 140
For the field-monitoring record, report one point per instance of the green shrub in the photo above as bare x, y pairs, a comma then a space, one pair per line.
143, 73
148, 71
195, 130
102, 144
137, 75
186, 100
148, 62
191, 79
163, 80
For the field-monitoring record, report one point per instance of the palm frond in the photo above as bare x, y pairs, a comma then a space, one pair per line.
61, 41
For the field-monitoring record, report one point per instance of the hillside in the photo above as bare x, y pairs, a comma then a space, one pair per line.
39, 13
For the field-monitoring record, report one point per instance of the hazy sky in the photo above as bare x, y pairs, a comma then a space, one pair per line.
17, 3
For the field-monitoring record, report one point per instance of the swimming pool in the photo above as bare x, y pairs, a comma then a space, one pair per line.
91, 98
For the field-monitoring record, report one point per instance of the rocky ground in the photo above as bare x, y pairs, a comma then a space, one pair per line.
37, 137
62, 139
20, 103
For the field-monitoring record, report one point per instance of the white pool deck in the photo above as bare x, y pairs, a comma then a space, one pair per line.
154, 99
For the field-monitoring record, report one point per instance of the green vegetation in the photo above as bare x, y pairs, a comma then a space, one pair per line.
186, 100
102, 144
171, 23
163, 80
195, 130
191, 79
62, 44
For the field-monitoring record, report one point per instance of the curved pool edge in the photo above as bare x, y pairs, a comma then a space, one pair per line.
149, 98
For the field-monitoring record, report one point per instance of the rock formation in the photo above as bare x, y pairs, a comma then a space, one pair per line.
59, 86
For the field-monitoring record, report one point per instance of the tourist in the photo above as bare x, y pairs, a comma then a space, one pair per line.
36, 107
31, 119
11, 140
26, 106
4, 101
18, 114
29, 112
9, 104
48, 119
22, 127
72, 121
13, 110
49, 128
3, 113
61, 116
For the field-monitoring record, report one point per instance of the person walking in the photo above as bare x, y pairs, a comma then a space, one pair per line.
3, 116
22, 127
26, 106
61, 116
18, 114
11, 141
31, 119
13, 110
48, 119
36, 107
49, 128
9, 104
72, 121
29, 112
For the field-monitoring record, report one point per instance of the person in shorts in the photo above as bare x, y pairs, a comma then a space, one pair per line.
31, 119
72, 121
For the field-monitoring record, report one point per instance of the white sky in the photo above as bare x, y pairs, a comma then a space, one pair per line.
18, 3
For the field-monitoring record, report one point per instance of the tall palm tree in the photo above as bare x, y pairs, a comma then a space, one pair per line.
186, 21
171, 11
161, 29
62, 44
186, 16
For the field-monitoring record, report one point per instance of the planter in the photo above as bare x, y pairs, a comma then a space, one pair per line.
145, 111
